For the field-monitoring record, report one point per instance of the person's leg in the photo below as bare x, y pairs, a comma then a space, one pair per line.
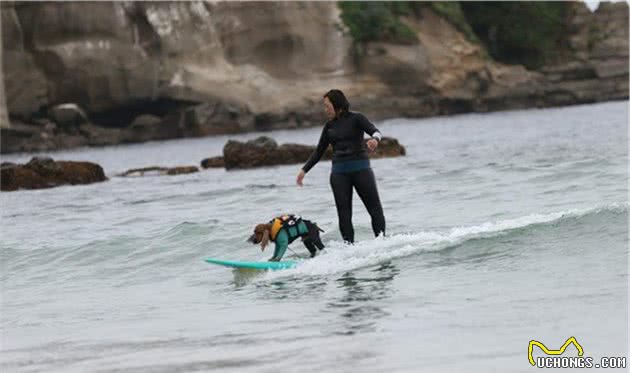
342, 190
365, 184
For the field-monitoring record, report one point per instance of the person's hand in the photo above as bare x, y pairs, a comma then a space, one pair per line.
300, 178
372, 144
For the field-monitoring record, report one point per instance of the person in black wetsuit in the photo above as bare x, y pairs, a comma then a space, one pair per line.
350, 163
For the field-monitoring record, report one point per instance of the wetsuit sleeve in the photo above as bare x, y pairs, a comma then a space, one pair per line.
282, 242
319, 151
368, 127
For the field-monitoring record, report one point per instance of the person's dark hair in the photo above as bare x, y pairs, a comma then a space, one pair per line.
338, 100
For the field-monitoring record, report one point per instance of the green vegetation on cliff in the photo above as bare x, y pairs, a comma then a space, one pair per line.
530, 33
368, 21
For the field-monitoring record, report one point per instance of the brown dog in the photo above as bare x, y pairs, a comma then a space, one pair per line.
285, 229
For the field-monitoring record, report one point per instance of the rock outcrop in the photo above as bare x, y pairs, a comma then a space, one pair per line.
44, 172
259, 152
388, 147
264, 152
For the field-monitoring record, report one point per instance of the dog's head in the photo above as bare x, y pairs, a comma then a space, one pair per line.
260, 235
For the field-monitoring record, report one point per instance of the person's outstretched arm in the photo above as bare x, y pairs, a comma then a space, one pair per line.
322, 145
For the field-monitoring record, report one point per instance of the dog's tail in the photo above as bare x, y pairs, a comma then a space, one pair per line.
313, 225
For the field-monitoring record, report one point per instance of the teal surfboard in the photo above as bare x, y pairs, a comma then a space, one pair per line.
254, 265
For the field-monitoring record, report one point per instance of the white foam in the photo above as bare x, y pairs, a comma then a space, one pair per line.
339, 257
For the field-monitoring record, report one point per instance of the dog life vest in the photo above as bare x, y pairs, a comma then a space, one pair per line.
287, 222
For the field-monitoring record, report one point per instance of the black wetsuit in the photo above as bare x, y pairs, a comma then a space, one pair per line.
351, 168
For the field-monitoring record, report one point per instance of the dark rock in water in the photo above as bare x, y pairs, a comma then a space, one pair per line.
264, 151
44, 172
263, 142
156, 170
45, 166
388, 147
213, 162
253, 153
260, 152
152, 170
182, 170
293, 153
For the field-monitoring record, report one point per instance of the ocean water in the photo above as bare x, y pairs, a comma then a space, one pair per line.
502, 228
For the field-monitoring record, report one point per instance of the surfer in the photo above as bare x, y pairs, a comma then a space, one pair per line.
285, 229
350, 163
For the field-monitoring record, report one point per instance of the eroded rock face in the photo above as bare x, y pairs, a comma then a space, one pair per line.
206, 68
44, 172
111, 54
24, 82
264, 151
88, 53
598, 68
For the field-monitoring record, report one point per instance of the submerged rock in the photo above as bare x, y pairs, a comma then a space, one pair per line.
44, 172
182, 170
156, 170
213, 162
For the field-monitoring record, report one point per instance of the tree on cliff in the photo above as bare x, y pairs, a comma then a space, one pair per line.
529, 33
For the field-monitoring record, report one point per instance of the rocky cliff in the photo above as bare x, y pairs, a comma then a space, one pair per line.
598, 68
98, 73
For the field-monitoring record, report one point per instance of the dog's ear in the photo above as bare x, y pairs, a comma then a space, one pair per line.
265, 240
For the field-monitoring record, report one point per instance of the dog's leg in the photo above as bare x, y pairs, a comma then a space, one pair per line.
318, 242
310, 246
